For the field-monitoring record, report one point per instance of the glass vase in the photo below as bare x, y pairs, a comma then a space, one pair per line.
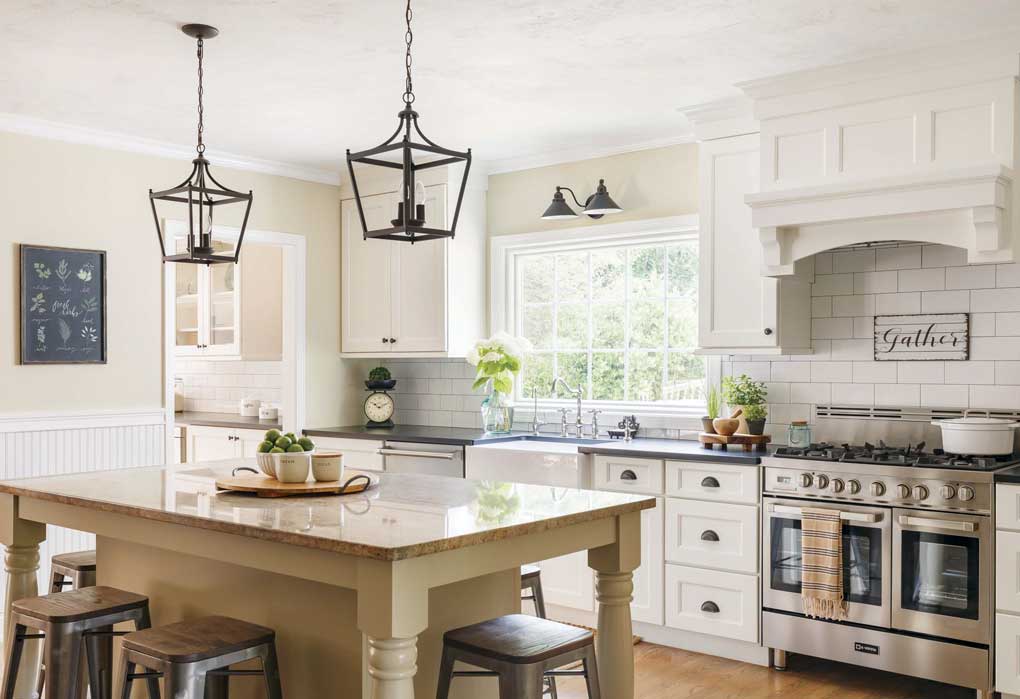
497, 413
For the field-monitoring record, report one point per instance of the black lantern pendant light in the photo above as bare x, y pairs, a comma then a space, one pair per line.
595, 206
409, 224
201, 192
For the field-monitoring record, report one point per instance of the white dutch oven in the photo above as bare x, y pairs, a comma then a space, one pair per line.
977, 436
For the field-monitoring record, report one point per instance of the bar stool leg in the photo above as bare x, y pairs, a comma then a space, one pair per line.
445, 675
521, 682
591, 675
539, 598
56, 581
145, 622
13, 661
62, 653
127, 668
217, 686
99, 653
271, 671
183, 682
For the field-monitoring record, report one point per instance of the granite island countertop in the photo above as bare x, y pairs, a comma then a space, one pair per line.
411, 503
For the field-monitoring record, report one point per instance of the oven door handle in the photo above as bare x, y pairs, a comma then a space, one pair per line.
950, 524
868, 517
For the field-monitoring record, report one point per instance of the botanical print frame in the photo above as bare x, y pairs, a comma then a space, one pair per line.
62, 305
922, 337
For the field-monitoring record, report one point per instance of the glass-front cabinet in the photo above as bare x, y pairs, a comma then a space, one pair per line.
208, 306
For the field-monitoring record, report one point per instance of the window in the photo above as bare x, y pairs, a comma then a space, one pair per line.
620, 320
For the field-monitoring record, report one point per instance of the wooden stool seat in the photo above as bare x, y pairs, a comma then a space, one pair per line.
80, 561
78, 605
198, 639
518, 638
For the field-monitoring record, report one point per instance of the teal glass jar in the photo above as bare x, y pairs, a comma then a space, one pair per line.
799, 434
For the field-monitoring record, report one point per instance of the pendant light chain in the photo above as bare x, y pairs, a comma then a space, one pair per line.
408, 38
201, 52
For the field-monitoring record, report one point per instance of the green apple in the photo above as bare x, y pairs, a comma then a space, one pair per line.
295, 448
265, 447
283, 442
306, 444
276, 450
272, 435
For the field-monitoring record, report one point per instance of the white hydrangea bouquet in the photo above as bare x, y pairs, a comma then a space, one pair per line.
498, 360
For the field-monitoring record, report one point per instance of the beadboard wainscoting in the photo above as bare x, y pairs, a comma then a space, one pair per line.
851, 287
48, 445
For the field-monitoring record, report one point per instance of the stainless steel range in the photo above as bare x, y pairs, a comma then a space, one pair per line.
917, 558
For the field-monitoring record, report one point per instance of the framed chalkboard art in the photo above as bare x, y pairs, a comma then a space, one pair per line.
63, 305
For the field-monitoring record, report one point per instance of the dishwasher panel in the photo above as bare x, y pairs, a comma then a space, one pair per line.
434, 459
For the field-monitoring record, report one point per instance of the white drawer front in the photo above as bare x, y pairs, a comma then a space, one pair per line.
628, 474
1007, 572
360, 454
1007, 507
712, 535
1007, 653
693, 595
708, 480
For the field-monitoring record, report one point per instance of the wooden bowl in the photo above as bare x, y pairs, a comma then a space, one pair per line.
725, 425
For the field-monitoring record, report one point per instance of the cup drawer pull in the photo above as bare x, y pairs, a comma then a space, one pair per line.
628, 475
709, 482
709, 535
710, 607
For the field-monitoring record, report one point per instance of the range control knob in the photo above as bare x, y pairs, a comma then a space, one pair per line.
877, 489
948, 492
837, 485
805, 480
902, 492
822, 481
920, 492
965, 493
854, 486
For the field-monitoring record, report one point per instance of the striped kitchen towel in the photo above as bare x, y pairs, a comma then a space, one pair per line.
822, 564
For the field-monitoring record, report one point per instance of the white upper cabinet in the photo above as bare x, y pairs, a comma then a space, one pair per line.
739, 309
421, 300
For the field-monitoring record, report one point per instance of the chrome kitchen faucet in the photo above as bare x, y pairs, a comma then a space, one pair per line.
578, 393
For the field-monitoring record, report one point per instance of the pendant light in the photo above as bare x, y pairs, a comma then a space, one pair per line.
596, 205
409, 223
200, 192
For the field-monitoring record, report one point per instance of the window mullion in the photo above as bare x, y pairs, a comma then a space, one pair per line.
665, 323
590, 330
626, 324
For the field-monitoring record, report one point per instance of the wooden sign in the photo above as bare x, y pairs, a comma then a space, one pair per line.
926, 336
63, 305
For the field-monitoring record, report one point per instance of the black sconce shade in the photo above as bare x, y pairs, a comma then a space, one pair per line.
596, 205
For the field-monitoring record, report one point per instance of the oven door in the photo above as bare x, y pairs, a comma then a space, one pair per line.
867, 534
942, 574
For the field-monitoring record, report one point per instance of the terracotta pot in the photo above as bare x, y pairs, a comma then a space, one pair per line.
706, 425
725, 425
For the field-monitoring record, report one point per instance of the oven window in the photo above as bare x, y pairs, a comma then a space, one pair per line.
940, 574
862, 560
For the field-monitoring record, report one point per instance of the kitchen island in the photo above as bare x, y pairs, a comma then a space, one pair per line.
359, 588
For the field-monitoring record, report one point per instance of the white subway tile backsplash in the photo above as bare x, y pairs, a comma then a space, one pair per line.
791, 371
982, 324
899, 303
864, 327
995, 348
1007, 275
759, 371
1007, 373
995, 397
853, 393
829, 372
945, 301
218, 386
822, 350
853, 261
875, 282
903, 257
897, 394
861, 349
970, 372
875, 372
862, 305
995, 300
813, 393
821, 307
1005, 324
971, 277
921, 372
778, 392
945, 396
942, 256
833, 285
922, 279
823, 263
829, 328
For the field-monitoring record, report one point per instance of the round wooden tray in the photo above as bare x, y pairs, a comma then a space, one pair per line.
266, 487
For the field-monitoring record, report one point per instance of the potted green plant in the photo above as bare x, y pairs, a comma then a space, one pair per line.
380, 378
712, 404
751, 397
498, 361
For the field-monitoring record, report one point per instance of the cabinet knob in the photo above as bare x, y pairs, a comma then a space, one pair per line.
768, 331
393, 340
709, 535
386, 339
709, 482
628, 475
710, 607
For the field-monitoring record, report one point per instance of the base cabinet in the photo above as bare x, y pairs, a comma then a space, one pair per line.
1007, 589
712, 602
213, 443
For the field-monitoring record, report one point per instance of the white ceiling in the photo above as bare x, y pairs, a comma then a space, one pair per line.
300, 81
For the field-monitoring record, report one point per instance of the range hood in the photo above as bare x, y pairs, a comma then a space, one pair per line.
921, 147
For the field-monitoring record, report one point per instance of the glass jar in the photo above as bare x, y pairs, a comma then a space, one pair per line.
799, 434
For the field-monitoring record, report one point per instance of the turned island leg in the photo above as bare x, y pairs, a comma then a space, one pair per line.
21, 540
392, 665
614, 590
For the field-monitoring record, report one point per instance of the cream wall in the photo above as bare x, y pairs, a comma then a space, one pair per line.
57, 193
647, 184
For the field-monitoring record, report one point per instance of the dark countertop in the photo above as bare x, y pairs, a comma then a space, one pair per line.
225, 420
688, 450
1010, 475
459, 436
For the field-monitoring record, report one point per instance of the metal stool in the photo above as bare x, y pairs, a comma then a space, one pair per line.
76, 569
531, 581
520, 650
67, 621
193, 656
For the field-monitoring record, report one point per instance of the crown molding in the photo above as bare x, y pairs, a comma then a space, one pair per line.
58, 131
731, 116
570, 155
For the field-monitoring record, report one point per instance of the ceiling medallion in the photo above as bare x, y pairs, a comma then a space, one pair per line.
201, 192
409, 224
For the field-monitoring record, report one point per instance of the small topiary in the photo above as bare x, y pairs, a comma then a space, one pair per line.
380, 373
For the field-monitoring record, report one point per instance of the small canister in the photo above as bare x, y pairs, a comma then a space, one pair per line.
249, 407
799, 434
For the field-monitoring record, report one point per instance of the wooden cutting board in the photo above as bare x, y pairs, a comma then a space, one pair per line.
266, 487
747, 442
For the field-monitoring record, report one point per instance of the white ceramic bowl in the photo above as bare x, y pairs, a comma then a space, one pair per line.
267, 464
293, 466
327, 465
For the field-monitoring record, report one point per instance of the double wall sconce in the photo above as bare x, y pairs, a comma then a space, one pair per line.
596, 205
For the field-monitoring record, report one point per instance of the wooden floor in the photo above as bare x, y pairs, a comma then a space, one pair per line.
667, 673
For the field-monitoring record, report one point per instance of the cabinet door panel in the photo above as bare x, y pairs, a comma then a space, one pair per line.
420, 303
648, 578
737, 304
210, 444
366, 276
248, 441
569, 582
